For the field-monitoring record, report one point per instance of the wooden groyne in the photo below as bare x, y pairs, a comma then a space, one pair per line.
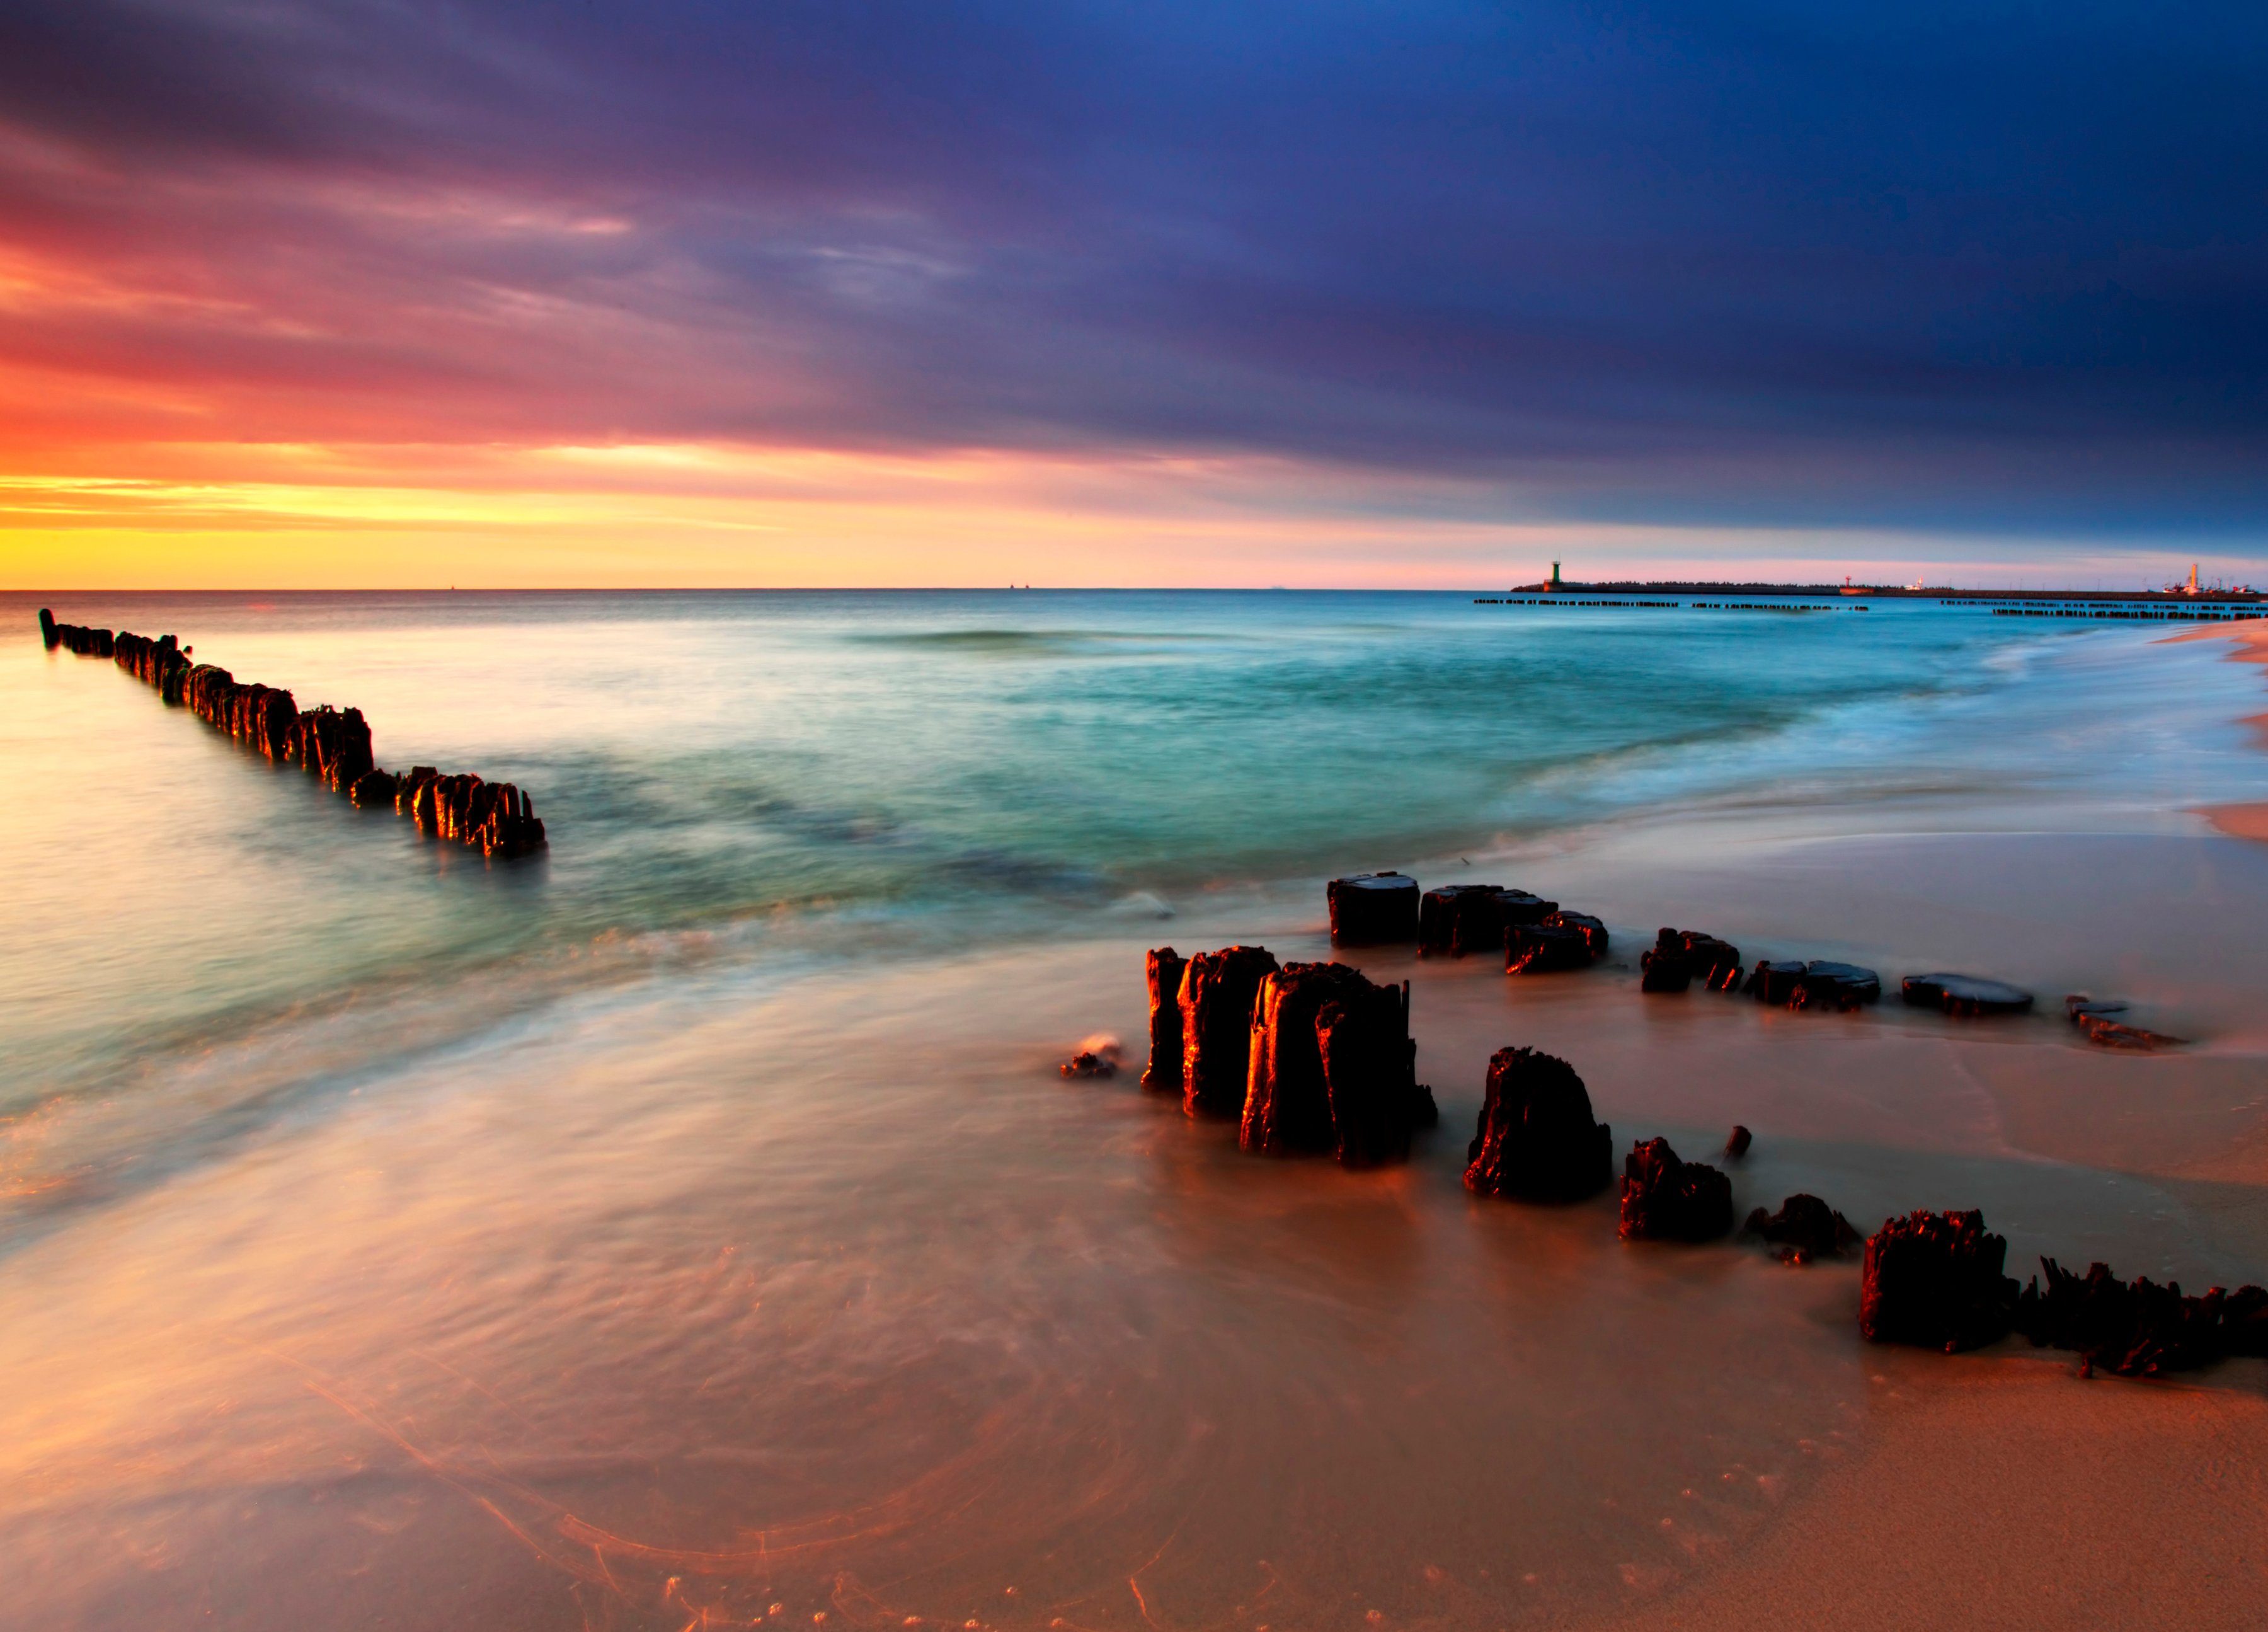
1323, 1060
332, 744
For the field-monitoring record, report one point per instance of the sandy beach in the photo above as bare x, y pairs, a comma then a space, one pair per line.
2250, 637
1703, 1438
1993, 1492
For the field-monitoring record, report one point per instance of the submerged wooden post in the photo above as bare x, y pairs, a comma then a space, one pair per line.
1666, 1199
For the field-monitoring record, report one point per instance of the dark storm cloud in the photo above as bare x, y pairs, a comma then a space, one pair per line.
1992, 264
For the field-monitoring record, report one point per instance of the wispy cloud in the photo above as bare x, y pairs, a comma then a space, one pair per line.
1983, 273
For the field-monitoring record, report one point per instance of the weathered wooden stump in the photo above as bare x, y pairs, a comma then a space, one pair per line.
1549, 947
1681, 956
1593, 930
1820, 984
1164, 968
2244, 1322
1286, 1106
495, 819
1966, 995
2093, 1017
1837, 986
1665, 1198
1776, 981
2137, 1328
1934, 1279
1536, 1140
1518, 906
1333, 1068
374, 790
1370, 1074
406, 786
333, 744
1373, 909
1455, 918
1218, 990
1805, 1228
75, 637
158, 663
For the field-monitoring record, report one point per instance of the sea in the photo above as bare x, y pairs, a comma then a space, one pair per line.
688, 1224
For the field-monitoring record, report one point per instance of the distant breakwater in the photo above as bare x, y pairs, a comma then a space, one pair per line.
333, 744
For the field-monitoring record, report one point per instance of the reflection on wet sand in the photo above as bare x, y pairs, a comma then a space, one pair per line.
690, 1310
600, 1338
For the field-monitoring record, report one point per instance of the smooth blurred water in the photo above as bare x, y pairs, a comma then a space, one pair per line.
800, 775
690, 1224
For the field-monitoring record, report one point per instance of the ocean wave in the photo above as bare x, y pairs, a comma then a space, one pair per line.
1008, 642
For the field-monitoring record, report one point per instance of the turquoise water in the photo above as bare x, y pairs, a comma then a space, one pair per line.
809, 776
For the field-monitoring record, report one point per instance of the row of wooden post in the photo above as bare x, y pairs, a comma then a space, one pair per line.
332, 744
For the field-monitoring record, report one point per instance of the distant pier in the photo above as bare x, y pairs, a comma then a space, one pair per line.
2176, 605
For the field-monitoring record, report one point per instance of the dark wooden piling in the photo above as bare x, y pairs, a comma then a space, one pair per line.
1370, 1075
1665, 1198
1819, 983
75, 637
1218, 990
1373, 909
1934, 1279
1165, 969
1333, 1068
331, 744
2140, 1328
1457, 918
1537, 1140
1805, 1228
1679, 957
1968, 996
1286, 1106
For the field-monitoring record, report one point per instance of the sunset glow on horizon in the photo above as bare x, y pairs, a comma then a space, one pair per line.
375, 297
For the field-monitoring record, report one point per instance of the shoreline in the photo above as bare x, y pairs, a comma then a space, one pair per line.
1165, 1283
2004, 1494
2249, 819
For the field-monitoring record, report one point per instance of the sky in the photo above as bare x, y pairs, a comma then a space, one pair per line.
337, 294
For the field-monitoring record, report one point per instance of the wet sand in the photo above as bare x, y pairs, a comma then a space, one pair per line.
699, 1308
2006, 1495
2251, 641
1998, 1493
